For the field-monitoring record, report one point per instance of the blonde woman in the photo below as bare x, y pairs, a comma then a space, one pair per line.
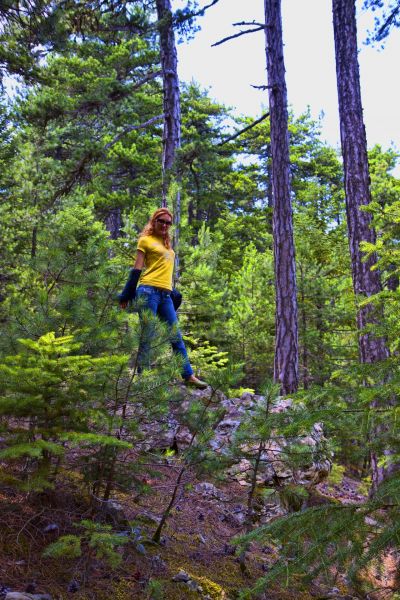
155, 253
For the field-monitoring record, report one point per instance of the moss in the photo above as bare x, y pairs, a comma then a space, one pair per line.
121, 590
210, 587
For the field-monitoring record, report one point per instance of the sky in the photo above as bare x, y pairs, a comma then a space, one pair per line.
228, 71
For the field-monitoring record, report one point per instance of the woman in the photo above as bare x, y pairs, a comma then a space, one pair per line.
154, 252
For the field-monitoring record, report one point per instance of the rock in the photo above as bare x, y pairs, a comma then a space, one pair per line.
113, 511
182, 576
51, 527
209, 490
195, 587
274, 471
239, 514
282, 405
26, 596
247, 400
148, 517
158, 563
183, 437
4, 591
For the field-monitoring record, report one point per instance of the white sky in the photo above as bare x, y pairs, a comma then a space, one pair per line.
229, 70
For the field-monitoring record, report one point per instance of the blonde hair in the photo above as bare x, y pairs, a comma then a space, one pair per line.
148, 229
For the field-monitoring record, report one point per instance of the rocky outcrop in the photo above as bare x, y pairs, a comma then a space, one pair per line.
275, 469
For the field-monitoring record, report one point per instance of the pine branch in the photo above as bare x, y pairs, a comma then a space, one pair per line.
133, 128
199, 13
145, 79
383, 31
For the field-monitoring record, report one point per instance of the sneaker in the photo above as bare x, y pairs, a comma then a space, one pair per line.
193, 381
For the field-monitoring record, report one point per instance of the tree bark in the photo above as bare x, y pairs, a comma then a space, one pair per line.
366, 282
286, 336
172, 110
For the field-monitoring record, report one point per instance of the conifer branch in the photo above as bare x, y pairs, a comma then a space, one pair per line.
145, 79
384, 29
199, 13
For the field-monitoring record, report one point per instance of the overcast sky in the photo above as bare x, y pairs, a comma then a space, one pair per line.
229, 70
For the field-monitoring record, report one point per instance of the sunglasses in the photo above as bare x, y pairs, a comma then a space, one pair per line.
163, 222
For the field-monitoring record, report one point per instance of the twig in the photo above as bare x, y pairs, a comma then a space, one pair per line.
239, 24
27, 523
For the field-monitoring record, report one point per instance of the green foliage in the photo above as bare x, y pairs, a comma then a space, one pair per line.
252, 314
308, 550
79, 176
53, 394
97, 541
154, 590
202, 288
207, 358
67, 546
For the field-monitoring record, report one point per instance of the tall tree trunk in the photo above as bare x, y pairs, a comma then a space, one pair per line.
366, 282
286, 337
172, 110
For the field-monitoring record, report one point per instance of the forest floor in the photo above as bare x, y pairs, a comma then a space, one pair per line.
197, 539
196, 557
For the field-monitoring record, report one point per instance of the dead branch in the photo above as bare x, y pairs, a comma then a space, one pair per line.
242, 23
231, 37
235, 135
262, 87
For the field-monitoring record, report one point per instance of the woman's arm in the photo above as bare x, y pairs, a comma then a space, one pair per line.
139, 262
129, 290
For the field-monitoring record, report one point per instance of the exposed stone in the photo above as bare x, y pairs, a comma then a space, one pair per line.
209, 490
182, 576
26, 596
51, 527
113, 511
273, 469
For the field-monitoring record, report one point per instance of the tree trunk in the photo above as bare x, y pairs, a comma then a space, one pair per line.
286, 340
366, 282
172, 110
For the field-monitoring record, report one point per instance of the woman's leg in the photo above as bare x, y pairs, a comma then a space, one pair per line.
166, 312
148, 301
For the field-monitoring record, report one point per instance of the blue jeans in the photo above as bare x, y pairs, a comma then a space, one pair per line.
159, 303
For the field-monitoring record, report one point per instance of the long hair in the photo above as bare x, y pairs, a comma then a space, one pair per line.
148, 229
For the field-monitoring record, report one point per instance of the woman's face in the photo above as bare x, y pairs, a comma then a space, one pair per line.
162, 223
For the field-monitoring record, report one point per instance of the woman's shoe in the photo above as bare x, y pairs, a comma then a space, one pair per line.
193, 381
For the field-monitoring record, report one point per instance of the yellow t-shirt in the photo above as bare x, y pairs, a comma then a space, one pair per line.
159, 262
